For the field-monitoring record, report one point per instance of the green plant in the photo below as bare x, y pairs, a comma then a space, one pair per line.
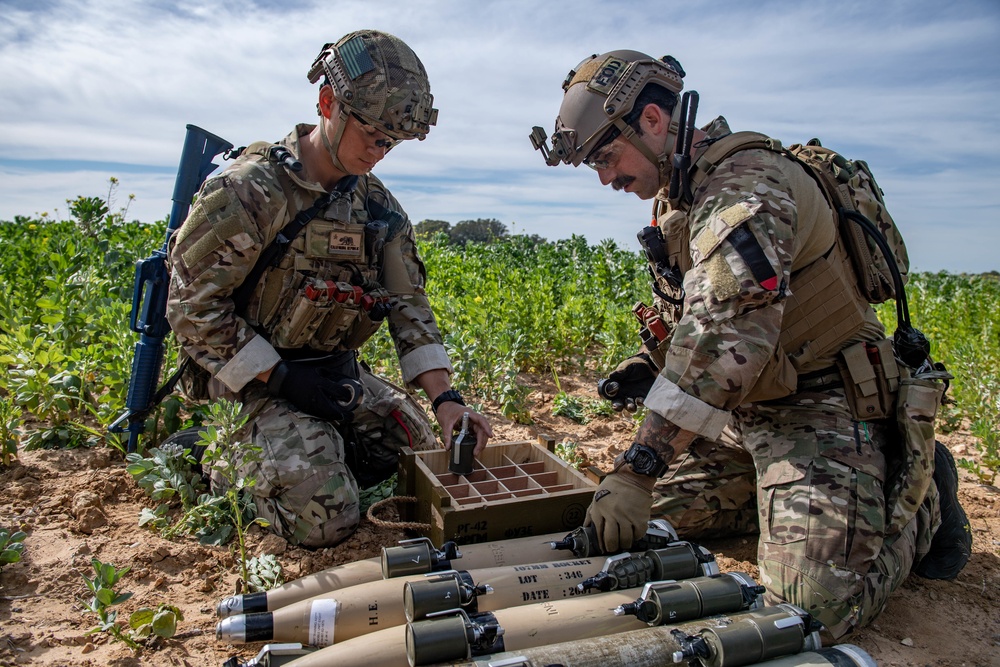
167, 472
210, 519
65, 435
264, 573
516, 305
11, 546
168, 475
371, 495
599, 408
978, 369
10, 433
162, 622
227, 454
104, 597
513, 398
567, 405
569, 452
988, 444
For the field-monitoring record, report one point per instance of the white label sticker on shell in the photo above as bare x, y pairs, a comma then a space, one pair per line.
322, 618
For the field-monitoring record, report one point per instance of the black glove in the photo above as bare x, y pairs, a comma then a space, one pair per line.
627, 385
317, 389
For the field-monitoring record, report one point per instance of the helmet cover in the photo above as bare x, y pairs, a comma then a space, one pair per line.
378, 77
599, 92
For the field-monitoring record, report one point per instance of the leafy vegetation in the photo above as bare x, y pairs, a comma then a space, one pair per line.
104, 597
167, 472
982, 403
143, 623
570, 452
10, 433
960, 314
226, 454
161, 622
11, 546
511, 306
264, 573
481, 230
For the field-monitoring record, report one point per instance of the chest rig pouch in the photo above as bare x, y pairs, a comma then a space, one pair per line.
327, 296
317, 285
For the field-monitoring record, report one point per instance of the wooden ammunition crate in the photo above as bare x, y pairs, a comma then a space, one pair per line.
517, 489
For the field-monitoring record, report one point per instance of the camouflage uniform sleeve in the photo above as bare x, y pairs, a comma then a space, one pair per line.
210, 256
412, 324
742, 245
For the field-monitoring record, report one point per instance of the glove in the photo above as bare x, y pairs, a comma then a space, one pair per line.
316, 389
627, 385
620, 510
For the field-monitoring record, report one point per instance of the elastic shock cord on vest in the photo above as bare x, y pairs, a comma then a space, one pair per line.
910, 344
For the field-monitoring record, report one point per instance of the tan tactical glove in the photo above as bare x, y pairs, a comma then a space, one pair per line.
620, 509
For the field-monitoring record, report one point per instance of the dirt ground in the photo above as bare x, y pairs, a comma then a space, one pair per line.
75, 505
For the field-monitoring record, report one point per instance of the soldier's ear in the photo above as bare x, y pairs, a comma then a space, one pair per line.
328, 105
654, 119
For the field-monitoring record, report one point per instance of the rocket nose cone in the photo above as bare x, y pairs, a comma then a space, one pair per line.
231, 629
230, 606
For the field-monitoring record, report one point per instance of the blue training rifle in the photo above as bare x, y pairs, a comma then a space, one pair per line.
149, 297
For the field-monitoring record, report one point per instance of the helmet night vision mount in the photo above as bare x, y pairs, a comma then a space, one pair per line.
599, 93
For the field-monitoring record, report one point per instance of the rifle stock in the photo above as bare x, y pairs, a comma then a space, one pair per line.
149, 295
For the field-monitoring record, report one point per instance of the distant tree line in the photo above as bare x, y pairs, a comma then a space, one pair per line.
480, 230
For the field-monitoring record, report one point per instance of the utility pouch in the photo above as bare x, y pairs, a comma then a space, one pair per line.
871, 379
373, 307
363, 328
300, 322
919, 396
321, 315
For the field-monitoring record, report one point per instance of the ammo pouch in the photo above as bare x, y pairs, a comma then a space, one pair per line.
325, 315
917, 402
871, 379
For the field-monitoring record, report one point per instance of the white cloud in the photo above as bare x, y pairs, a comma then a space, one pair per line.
911, 87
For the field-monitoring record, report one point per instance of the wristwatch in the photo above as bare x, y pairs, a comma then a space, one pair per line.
450, 396
644, 460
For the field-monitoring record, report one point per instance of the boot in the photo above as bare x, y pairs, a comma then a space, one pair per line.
951, 545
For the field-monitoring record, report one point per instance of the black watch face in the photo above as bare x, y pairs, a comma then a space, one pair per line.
642, 462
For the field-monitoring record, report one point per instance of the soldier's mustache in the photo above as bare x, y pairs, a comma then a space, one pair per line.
621, 182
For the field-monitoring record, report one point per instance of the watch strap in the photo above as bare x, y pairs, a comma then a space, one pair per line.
450, 396
638, 449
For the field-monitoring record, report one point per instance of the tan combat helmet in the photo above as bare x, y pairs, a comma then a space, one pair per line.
599, 93
377, 77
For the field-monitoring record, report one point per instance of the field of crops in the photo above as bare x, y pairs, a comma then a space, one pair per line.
512, 306
517, 314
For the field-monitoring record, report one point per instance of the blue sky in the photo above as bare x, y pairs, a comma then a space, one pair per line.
98, 88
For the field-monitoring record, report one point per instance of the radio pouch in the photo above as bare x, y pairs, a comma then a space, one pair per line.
917, 403
871, 379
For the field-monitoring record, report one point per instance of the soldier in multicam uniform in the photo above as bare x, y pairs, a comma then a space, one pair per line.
748, 422
281, 337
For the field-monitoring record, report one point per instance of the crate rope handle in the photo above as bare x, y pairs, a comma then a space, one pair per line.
382, 523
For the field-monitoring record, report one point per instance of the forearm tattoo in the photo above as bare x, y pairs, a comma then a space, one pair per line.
668, 439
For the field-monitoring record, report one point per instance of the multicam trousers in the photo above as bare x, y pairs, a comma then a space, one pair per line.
304, 486
813, 481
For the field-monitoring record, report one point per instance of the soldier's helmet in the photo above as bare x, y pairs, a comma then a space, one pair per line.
379, 78
599, 92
